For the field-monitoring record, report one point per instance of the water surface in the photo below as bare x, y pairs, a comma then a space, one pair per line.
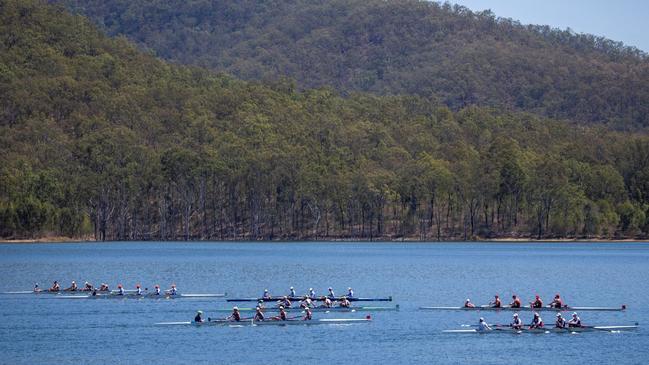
45, 330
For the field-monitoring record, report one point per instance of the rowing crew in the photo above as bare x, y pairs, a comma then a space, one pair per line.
536, 323
104, 288
516, 302
310, 294
56, 287
259, 315
138, 290
307, 303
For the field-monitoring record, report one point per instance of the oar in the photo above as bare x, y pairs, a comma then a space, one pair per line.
209, 319
490, 325
490, 305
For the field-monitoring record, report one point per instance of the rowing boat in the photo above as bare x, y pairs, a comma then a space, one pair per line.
320, 309
64, 292
250, 322
274, 299
140, 296
69, 292
507, 308
507, 329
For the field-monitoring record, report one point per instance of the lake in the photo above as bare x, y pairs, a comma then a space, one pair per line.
47, 330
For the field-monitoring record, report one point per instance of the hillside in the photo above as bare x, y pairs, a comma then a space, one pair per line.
98, 138
444, 53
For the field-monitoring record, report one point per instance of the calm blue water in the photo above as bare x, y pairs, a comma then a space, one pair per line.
42, 330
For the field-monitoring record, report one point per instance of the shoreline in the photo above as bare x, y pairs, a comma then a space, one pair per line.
59, 239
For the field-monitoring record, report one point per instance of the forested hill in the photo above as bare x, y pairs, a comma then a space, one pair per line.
98, 139
438, 51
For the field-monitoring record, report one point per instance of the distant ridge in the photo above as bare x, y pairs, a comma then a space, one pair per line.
439, 51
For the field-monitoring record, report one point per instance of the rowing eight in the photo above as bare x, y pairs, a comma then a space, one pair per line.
507, 308
274, 299
140, 296
250, 322
507, 329
320, 309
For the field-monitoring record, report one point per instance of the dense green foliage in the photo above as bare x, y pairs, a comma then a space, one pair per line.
99, 138
441, 52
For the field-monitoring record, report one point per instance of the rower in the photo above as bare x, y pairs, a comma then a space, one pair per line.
326, 302
483, 326
172, 290
55, 286
517, 323
259, 314
311, 294
468, 304
331, 293
36, 288
104, 287
307, 315
87, 286
285, 302
557, 302
261, 305
291, 292
537, 303
266, 295
575, 321
73, 286
496, 303
345, 303
138, 290
157, 289
235, 316
199, 317
537, 322
350, 293
516, 302
560, 323
282, 314
306, 303
120, 290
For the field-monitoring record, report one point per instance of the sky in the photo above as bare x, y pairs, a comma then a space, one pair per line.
620, 20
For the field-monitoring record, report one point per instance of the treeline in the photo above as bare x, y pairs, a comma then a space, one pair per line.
444, 53
98, 139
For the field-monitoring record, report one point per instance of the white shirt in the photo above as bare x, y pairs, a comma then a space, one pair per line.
575, 321
483, 326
